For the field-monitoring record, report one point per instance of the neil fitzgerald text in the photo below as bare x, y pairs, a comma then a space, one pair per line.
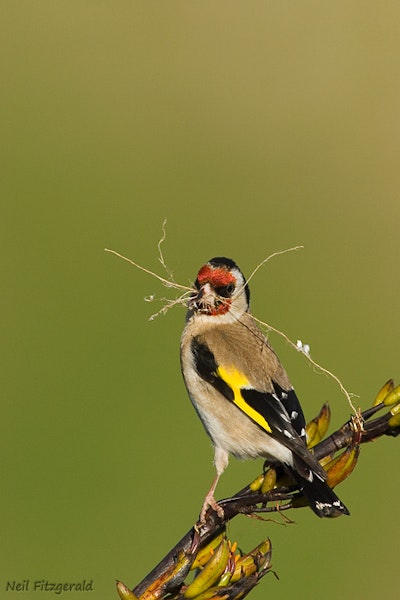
43, 585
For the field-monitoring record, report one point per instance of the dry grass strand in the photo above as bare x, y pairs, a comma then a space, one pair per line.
167, 282
306, 352
277, 253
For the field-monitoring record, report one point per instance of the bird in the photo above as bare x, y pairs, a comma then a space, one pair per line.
241, 391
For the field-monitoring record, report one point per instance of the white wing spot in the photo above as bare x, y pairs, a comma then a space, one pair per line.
322, 505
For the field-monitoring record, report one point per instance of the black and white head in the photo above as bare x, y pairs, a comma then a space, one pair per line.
222, 292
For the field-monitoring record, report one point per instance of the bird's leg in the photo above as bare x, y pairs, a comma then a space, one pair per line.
221, 458
209, 501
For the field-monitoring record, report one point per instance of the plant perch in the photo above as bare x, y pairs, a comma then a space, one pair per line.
220, 571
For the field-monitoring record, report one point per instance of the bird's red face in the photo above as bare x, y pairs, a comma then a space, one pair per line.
215, 287
222, 293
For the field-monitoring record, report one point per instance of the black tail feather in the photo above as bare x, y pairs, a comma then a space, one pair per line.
322, 499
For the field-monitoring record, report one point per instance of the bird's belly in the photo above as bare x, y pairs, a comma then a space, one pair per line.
233, 431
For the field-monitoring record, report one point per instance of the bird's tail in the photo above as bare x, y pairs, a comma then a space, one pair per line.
311, 477
322, 499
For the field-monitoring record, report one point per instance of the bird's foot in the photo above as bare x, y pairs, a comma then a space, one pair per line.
210, 502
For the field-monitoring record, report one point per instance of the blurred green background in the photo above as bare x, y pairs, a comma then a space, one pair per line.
252, 127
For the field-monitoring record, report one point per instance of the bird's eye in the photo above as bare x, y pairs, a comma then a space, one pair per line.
225, 290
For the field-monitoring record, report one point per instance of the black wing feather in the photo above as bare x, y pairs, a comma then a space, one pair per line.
293, 408
206, 367
271, 408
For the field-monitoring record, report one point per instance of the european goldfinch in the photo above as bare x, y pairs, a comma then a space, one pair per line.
241, 391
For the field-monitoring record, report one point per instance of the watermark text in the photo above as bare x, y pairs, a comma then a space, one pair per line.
43, 585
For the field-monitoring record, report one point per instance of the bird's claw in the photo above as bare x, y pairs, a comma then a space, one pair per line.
210, 502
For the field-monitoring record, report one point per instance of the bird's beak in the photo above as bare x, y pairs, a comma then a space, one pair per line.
204, 300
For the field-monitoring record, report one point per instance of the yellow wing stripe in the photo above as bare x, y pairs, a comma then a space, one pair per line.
236, 381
